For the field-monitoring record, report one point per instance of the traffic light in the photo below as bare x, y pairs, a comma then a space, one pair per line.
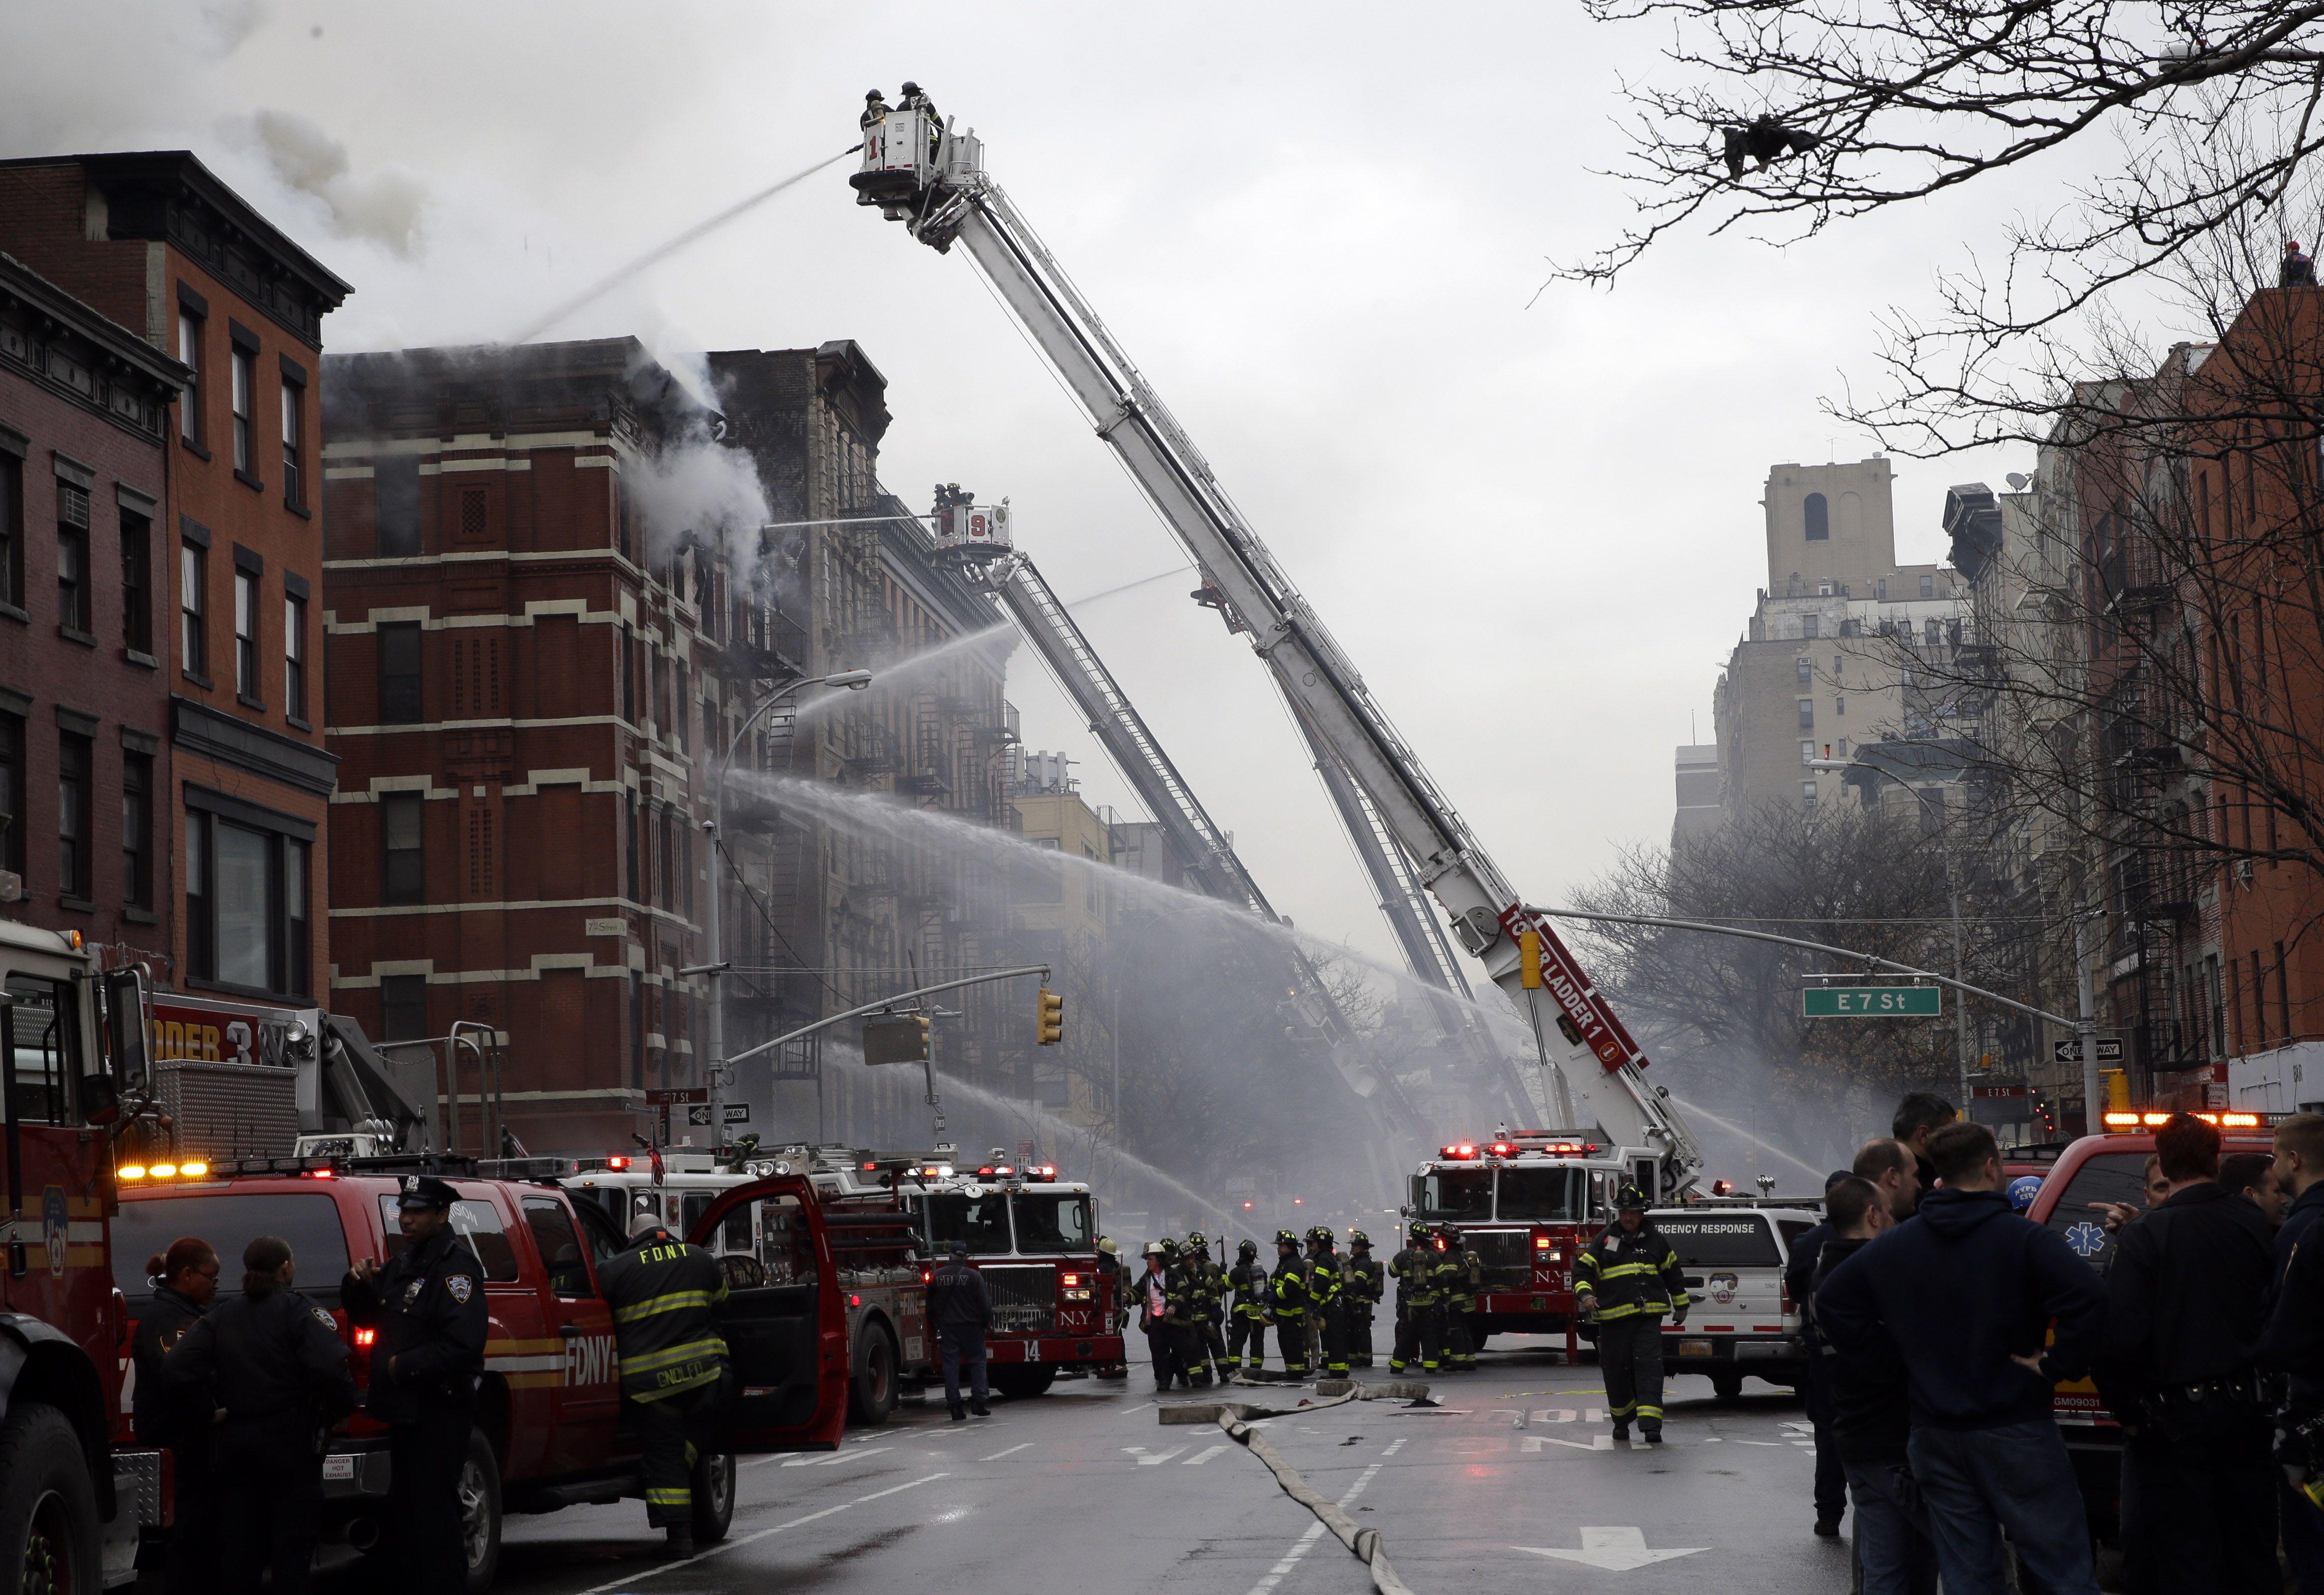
895, 1038
1049, 1021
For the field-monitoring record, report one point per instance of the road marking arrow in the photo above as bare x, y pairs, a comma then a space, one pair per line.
1144, 1461
1616, 1550
1536, 1442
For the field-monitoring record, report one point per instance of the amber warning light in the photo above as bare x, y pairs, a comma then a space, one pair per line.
2153, 1120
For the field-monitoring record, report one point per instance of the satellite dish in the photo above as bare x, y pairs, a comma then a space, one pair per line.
2018, 480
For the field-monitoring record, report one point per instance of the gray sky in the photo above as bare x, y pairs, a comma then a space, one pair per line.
1536, 530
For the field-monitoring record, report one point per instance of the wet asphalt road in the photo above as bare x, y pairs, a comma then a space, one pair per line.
1084, 1490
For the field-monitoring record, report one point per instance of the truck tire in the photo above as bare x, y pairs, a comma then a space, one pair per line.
49, 1542
1727, 1387
872, 1377
713, 1496
480, 1512
1025, 1380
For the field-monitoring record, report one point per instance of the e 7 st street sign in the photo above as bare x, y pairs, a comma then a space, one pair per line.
1872, 1003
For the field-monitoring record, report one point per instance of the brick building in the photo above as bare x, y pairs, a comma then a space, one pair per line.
156, 243
84, 426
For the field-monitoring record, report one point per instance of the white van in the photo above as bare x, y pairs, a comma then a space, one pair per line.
1741, 1321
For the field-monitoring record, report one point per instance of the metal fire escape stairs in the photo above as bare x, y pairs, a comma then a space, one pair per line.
931, 176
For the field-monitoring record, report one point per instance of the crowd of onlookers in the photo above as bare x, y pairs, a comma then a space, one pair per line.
1940, 1320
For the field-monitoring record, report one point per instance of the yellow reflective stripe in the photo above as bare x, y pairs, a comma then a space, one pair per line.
645, 1363
1620, 1269
669, 1497
670, 1301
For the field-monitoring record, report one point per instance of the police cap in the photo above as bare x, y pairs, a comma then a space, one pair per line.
423, 1191
960, 1248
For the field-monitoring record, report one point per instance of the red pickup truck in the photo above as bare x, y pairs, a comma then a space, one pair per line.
2108, 1168
550, 1429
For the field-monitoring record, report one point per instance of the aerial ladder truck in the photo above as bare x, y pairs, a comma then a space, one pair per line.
929, 175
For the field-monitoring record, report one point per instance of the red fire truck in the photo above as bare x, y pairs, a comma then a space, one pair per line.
1526, 1204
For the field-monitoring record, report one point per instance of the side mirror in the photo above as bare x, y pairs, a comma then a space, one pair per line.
128, 1033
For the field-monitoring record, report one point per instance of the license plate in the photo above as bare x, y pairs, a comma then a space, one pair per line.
1697, 1348
338, 1467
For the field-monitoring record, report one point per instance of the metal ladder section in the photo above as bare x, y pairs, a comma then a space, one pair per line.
1117, 724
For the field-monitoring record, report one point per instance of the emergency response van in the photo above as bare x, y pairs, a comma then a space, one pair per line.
551, 1430
1742, 1323
2101, 1168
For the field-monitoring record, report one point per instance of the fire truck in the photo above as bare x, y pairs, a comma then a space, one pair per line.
1528, 1203
875, 1240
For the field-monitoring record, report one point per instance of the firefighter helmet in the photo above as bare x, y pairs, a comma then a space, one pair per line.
1247, 1249
1358, 1238
1195, 1241
1285, 1238
1321, 1235
1105, 1244
1631, 1199
1154, 1249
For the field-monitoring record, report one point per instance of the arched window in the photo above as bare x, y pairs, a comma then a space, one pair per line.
1818, 519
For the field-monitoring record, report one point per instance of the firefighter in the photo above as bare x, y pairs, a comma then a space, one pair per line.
875, 110
1247, 1320
1195, 1280
663, 1294
1109, 1264
1327, 1326
1408, 1269
1214, 1319
1461, 1307
1448, 1279
426, 1307
1360, 1285
1289, 1292
1627, 1280
1154, 1315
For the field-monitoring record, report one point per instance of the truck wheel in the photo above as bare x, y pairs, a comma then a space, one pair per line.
480, 1512
713, 1496
1727, 1387
48, 1507
1025, 1381
872, 1387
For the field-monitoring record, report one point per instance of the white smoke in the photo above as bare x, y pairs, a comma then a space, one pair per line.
698, 485
383, 207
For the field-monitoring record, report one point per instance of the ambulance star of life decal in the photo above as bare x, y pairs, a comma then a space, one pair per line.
2085, 1238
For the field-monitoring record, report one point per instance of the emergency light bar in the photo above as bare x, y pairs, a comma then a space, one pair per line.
192, 1170
2122, 1122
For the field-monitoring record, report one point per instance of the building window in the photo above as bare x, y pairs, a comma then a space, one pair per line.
1839, 709
1811, 627
1804, 670
1933, 809
294, 656
293, 476
246, 635
1807, 754
475, 524
403, 857
1807, 713
189, 354
2282, 996
398, 674
1809, 794
1930, 631
12, 794
138, 830
246, 907
1928, 587
72, 558
1818, 517
629, 680
245, 381
404, 1007
73, 826
395, 502
136, 582
635, 895
193, 581
12, 530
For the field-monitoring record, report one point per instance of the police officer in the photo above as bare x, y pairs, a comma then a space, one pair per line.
426, 1306
2186, 1307
1408, 1267
1627, 1280
1327, 1324
1155, 1309
176, 1413
278, 1367
664, 1294
1291, 1295
1362, 1281
1247, 1315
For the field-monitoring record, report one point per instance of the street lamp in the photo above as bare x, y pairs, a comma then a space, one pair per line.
715, 967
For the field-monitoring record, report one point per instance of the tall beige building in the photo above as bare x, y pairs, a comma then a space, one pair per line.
1831, 523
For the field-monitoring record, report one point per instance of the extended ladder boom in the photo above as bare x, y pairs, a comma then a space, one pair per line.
933, 180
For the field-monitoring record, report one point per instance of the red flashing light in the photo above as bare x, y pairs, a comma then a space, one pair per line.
365, 1337
1246, 1207
1072, 1279
926, 1275
853, 1300
871, 1168
1502, 1150
1295, 1202
322, 1174
1723, 1187
617, 1163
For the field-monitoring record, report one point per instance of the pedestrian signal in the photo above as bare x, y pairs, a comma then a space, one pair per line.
895, 1038
1049, 1021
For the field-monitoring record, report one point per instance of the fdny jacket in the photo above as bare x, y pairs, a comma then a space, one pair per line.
1289, 1290
1631, 1274
276, 1359
1409, 1269
427, 1305
662, 1292
1250, 1283
1361, 1281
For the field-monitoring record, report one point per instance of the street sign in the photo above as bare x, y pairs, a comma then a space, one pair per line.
736, 1113
667, 1096
2018, 1090
2070, 1052
1872, 1003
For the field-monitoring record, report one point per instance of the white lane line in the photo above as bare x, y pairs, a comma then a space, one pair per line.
1771, 1444
1200, 1457
1356, 1489
1395, 1447
1147, 1460
723, 1547
836, 1457
1141, 1406
1011, 1451
1275, 1575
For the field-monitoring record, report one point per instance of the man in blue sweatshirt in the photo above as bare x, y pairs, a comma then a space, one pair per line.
1965, 1290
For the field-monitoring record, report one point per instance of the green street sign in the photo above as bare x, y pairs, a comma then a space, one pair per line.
1872, 1003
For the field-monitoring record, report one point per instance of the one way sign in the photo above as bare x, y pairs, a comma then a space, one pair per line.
736, 1113
2070, 1052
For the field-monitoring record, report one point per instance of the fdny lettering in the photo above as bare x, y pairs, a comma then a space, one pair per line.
590, 1360
661, 1254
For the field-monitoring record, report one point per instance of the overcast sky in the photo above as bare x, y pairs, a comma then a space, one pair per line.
1536, 530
